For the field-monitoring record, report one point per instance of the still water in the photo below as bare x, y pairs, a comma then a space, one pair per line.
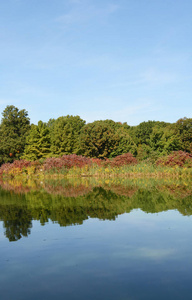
93, 240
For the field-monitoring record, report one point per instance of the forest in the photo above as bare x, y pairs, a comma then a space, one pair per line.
105, 139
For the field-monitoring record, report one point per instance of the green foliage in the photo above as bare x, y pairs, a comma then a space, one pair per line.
125, 144
100, 139
104, 139
141, 133
14, 128
65, 133
183, 129
38, 142
163, 141
143, 152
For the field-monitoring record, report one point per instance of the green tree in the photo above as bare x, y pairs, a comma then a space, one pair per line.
14, 128
38, 142
183, 129
125, 144
141, 133
105, 139
164, 140
65, 133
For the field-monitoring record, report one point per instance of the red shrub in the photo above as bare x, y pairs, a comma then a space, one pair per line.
66, 161
20, 164
176, 158
100, 162
96, 161
5, 168
122, 160
16, 165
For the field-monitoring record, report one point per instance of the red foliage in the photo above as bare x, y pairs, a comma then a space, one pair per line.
100, 162
176, 158
57, 164
97, 161
66, 161
5, 168
124, 159
20, 164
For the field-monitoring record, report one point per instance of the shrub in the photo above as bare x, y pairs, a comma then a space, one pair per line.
122, 160
5, 168
65, 162
15, 168
176, 158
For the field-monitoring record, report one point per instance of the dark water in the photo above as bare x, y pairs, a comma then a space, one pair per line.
87, 240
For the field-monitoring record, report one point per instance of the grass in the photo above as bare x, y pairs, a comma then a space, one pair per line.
139, 170
176, 165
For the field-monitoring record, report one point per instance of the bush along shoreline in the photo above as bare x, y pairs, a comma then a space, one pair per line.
176, 164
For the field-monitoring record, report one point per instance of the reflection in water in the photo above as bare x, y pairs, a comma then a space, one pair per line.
69, 202
17, 222
143, 254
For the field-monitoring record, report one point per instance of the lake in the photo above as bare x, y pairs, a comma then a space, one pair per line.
91, 239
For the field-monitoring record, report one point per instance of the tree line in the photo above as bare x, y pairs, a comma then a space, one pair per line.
100, 139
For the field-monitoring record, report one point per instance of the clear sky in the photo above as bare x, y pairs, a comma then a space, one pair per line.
125, 60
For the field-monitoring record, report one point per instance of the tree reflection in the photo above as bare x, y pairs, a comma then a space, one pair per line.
71, 204
17, 222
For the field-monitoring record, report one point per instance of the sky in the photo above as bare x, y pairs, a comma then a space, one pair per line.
126, 60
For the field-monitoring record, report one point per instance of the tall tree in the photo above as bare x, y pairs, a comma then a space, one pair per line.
105, 139
164, 140
141, 133
184, 131
38, 142
65, 133
14, 128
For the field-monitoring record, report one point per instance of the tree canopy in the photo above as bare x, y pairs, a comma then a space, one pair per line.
100, 139
184, 132
65, 133
38, 142
105, 139
14, 128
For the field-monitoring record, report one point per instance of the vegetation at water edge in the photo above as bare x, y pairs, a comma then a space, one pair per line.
67, 146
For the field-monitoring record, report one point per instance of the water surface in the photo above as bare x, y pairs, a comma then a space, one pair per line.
109, 240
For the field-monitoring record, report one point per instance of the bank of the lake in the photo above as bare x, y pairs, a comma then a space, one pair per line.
177, 164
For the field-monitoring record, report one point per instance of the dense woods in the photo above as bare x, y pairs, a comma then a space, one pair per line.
100, 139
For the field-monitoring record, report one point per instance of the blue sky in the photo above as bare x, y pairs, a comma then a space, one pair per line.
125, 60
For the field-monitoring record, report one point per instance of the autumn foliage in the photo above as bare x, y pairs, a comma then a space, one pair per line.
63, 163
176, 158
123, 160
66, 162
18, 167
78, 165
